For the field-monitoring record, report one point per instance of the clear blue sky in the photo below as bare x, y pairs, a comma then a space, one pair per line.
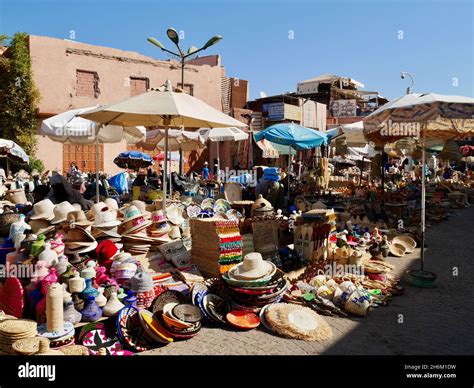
351, 38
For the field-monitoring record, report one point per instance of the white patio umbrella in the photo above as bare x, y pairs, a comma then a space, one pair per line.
11, 150
166, 108
424, 116
222, 134
177, 140
68, 127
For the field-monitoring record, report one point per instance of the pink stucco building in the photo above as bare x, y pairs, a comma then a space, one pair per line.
71, 74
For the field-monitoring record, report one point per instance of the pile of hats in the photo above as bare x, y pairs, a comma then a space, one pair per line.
133, 230
175, 212
13, 329
79, 238
216, 245
175, 317
106, 223
254, 283
43, 214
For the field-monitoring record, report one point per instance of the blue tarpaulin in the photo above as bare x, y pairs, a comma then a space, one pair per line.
294, 135
119, 181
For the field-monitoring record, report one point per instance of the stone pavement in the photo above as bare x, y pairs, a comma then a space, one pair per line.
433, 321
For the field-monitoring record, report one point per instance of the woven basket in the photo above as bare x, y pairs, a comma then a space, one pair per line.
6, 220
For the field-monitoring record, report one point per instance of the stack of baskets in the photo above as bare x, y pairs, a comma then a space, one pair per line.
216, 245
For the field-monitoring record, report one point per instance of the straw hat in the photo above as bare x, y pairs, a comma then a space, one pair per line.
111, 204
43, 210
406, 241
133, 221
79, 240
17, 196
77, 218
252, 267
40, 227
233, 192
94, 209
61, 211
105, 218
175, 214
175, 232
397, 249
140, 205
299, 322
158, 216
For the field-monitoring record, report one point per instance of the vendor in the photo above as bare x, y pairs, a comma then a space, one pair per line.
140, 180
205, 171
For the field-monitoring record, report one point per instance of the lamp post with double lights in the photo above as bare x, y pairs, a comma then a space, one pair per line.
174, 37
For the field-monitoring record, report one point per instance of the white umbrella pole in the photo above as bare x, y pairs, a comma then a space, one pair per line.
97, 169
218, 160
289, 168
423, 200
165, 174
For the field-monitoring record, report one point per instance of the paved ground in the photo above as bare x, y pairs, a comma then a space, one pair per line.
435, 321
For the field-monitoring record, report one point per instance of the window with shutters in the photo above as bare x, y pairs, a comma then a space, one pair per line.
138, 85
87, 84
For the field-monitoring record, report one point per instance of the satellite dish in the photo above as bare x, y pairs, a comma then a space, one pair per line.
263, 94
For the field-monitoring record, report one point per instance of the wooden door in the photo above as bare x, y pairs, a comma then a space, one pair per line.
83, 155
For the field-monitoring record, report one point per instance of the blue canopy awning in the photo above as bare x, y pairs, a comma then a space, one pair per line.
294, 135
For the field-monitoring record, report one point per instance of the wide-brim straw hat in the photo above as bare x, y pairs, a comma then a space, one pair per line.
94, 209
140, 205
79, 240
43, 210
105, 218
175, 214
77, 218
105, 232
233, 192
41, 227
134, 225
158, 216
252, 267
397, 249
61, 211
298, 322
406, 241
16, 197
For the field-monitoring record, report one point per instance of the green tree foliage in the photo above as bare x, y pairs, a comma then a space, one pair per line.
18, 94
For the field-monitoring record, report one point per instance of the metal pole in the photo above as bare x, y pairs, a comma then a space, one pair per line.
181, 159
165, 175
289, 168
97, 192
423, 200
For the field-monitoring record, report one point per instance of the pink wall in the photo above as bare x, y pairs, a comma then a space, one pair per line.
54, 64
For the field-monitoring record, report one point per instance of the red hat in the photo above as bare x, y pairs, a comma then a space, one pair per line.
104, 252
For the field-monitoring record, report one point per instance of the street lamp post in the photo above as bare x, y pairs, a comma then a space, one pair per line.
174, 37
